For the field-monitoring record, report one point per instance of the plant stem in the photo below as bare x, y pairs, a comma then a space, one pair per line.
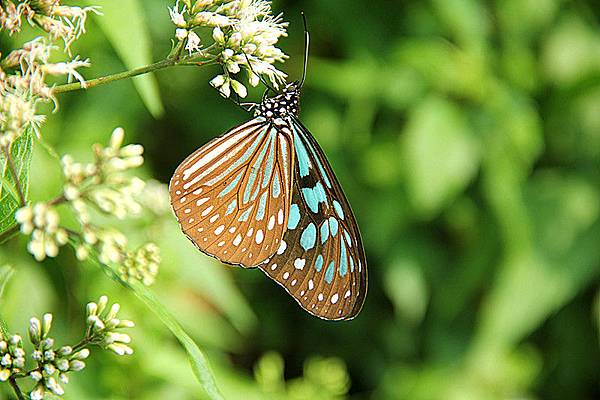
169, 62
15, 386
13, 171
69, 87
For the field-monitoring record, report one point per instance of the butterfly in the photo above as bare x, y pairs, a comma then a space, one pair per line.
264, 195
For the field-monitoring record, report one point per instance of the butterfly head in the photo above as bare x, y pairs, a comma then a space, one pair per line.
282, 105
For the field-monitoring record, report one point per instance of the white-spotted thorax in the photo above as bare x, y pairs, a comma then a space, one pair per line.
281, 106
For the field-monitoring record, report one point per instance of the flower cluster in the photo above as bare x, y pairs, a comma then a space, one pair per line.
102, 186
41, 221
23, 71
61, 22
12, 356
244, 33
102, 323
54, 364
141, 265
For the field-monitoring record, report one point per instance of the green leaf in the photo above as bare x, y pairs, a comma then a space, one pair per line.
6, 273
441, 155
466, 19
198, 361
550, 266
9, 201
124, 24
406, 288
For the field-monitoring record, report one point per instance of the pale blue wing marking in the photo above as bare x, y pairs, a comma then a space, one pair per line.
246, 214
255, 169
294, 217
231, 185
244, 158
324, 231
262, 205
338, 209
310, 199
330, 272
301, 155
319, 263
232, 206
333, 226
309, 237
276, 187
343, 260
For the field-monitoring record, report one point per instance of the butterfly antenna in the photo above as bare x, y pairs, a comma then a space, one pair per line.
264, 82
306, 47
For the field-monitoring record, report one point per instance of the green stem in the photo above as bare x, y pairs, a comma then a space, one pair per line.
69, 87
15, 386
169, 62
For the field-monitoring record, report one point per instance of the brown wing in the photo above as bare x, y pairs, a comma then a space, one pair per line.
232, 195
320, 261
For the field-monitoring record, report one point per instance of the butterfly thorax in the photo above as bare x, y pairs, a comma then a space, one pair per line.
282, 105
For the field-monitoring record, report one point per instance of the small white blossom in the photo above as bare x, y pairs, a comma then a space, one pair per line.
68, 68
193, 43
181, 33
239, 88
177, 16
42, 223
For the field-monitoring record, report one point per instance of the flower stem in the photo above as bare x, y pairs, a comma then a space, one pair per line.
16, 388
69, 87
168, 62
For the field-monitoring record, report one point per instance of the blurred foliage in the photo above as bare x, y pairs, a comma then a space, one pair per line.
466, 135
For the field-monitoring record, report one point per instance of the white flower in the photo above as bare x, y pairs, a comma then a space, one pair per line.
193, 43
239, 88
218, 35
212, 19
177, 16
222, 84
42, 222
181, 33
68, 68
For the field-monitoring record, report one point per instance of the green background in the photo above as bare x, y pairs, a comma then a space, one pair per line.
466, 135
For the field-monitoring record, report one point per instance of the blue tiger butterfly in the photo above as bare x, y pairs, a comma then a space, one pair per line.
264, 195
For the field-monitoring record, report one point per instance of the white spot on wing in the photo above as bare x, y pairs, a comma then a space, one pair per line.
282, 247
299, 263
207, 211
334, 298
259, 236
237, 240
271, 222
219, 230
280, 217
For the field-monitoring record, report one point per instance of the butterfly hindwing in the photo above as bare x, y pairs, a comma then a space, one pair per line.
320, 261
232, 195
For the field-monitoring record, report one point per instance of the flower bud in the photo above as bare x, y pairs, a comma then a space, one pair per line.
116, 139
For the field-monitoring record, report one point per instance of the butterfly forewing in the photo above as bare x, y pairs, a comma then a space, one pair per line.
232, 195
320, 260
